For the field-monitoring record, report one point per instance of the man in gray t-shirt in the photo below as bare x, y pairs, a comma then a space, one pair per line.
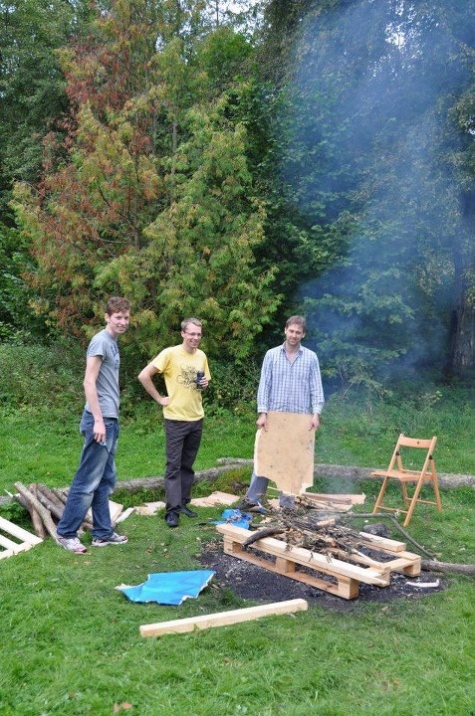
96, 475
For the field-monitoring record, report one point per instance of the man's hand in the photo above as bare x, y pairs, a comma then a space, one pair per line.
314, 422
99, 431
261, 421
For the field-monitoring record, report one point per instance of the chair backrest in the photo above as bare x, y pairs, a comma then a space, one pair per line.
405, 441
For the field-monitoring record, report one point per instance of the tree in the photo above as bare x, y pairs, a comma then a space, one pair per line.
377, 162
150, 195
31, 84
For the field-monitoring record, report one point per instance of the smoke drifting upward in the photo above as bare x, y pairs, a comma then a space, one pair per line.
378, 162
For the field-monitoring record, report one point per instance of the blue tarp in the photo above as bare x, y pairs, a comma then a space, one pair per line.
235, 517
169, 587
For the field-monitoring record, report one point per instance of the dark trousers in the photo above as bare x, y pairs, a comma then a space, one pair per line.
182, 444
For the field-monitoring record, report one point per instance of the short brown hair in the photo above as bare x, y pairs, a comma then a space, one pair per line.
116, 304
186, 321
297, 321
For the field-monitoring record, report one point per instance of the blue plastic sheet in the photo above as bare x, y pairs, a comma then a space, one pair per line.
169, 587
235, 517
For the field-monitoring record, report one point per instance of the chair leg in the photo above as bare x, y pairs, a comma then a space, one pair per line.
379, 499
405, 495
413, 503
435, 483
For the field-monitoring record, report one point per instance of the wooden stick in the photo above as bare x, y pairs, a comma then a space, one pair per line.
50, 501
206, 621
62, 495
42, 511
36, 520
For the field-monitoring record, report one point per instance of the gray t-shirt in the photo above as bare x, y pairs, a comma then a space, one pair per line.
105, 346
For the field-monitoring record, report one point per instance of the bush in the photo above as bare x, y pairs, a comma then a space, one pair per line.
233, 387
41, 376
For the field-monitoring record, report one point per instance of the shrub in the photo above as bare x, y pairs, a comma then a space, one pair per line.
233, 387
39, 376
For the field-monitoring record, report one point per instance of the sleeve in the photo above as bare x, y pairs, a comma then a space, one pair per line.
316, 388
96, 347
161, 361
265, 384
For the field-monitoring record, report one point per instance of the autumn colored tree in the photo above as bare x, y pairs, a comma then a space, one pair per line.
150, 194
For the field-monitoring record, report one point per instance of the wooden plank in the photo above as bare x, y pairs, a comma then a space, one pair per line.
23, 547
216, 498
383, 543
19, 532
344, 587
304, 557
125, 515
285, 451
7, 543
346, 575
237, 616
344, 499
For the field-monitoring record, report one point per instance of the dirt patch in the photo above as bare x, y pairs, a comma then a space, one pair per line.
248, 581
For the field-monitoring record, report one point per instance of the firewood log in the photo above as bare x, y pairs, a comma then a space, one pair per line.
42, 511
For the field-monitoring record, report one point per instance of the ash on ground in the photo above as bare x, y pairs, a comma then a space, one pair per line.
249, 581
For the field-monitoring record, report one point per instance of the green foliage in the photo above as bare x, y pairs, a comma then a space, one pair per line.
32, 87
155, 199
233, 387
36, 376
16, 317
371, 152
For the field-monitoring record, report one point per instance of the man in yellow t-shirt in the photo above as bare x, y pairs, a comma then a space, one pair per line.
186, 373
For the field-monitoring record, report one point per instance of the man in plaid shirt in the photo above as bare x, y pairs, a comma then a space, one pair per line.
290, 382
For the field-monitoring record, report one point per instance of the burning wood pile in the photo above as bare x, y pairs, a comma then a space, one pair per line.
316, 547
315, 531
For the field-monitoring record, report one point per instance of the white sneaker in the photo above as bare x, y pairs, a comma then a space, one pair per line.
113, 539
72, 544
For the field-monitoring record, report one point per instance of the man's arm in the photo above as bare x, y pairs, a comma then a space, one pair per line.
316, 395
93, 366
145, 377
263, 391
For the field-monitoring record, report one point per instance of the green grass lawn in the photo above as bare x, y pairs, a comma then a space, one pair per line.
70, 642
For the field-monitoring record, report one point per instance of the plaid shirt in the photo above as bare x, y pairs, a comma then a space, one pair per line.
287, 387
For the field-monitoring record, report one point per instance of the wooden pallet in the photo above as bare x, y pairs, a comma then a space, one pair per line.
340, 578
8, 547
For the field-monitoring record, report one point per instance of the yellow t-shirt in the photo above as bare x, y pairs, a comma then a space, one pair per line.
179, 367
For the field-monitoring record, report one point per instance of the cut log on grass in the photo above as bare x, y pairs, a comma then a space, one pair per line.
61, 494
237, 616
155, 483
329, 472
433, 565
49, 500
42, 511
36, 520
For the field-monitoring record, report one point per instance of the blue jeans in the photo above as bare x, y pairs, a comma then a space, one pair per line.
182, 444
93, 482
257, 489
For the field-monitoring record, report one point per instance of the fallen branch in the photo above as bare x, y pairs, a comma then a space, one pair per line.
156, 483
433, 565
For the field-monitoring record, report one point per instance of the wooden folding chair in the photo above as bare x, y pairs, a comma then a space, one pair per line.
406, 447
